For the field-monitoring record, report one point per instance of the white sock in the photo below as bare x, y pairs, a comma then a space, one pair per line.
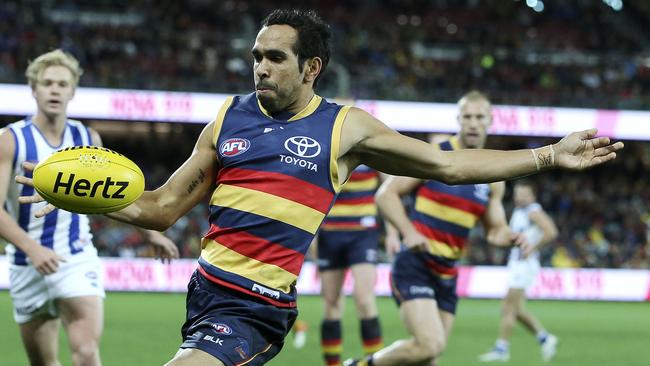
502, 345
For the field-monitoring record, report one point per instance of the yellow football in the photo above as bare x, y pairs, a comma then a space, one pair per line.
88, 180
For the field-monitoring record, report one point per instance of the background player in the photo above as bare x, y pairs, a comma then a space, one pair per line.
539, 229
278, 157
349, 238
54, 272
424, 275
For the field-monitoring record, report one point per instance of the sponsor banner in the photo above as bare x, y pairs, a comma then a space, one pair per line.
141, 105
474, 282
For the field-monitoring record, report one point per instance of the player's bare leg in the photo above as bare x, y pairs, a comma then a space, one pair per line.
509, 311
364, 289
333, 302
365, 276
428, 332
82, 318
40, 337
548, 342
193, 357
331, 290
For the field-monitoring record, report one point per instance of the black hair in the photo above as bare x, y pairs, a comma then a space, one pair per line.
314, 34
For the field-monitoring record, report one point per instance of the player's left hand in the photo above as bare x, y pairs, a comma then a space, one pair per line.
581, 150
35, 198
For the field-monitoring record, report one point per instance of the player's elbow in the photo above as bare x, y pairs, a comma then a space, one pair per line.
451, 176
552, 234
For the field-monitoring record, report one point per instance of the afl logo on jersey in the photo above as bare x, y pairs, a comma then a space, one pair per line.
303, 146
234, 146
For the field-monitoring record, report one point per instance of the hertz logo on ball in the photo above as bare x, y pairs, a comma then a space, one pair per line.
88, 179
81, 186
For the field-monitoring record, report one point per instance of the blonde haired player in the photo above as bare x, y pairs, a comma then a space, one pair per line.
529, 219
54, 272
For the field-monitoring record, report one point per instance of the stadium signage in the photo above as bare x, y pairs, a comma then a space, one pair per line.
140, 105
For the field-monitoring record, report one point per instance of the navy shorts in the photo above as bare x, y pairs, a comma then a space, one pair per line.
235, 328
342, 249
412, 279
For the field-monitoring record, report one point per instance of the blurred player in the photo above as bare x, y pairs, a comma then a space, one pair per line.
54, 272
529, 219
273, 162
424, 274
300, 328
349, 238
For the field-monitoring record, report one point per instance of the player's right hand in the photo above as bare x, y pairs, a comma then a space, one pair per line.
392, 245
35, 198
45, 260
415, 241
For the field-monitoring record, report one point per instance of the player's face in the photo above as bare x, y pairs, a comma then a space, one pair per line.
54, 90
475, 118
275, 68
523, 195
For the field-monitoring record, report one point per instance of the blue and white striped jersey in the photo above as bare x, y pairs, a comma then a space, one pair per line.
65, 232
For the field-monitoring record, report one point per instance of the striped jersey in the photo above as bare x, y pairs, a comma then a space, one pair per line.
520, 223
445, 215
355, 207
277, 182
64, 232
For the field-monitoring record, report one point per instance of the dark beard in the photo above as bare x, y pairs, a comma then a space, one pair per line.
271, 105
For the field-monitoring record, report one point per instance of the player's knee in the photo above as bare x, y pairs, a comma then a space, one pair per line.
85, 353
366, 307
430, 350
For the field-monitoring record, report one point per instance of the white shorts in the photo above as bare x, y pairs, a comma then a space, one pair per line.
522, 273
34, 294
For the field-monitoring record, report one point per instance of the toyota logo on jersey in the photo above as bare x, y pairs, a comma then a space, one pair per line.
303, 146
234, 146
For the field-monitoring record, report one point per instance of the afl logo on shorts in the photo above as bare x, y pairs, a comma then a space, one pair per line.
222, 328
303, 146
234, 146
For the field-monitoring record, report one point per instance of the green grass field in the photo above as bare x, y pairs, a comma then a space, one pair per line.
143, 329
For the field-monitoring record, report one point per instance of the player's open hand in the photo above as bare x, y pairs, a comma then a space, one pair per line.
582, 150
35, 198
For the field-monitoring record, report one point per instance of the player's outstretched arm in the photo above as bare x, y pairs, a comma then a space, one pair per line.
159, 209
367, 140
189, 184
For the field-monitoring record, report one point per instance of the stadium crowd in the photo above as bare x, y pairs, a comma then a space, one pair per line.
574, 53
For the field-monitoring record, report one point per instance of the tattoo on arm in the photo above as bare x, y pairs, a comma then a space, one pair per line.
195, 182
544, 160
544, 157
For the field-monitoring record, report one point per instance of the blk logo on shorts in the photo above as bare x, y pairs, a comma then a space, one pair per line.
234, 146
